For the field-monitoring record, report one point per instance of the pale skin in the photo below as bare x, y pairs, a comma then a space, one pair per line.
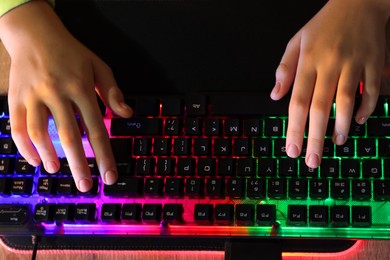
342, 45
54, 74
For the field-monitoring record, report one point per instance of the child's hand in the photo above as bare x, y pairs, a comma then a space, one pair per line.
339, 47
52, 74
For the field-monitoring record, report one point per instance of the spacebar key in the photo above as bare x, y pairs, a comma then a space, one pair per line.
13, 214
135, 126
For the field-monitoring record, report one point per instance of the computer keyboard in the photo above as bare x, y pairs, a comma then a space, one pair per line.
206, 165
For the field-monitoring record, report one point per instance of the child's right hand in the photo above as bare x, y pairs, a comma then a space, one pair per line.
52, 74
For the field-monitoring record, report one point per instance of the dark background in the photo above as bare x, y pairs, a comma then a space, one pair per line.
185, 46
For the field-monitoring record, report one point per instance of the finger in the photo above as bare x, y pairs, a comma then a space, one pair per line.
20, 135
70, 139
108, 90
286, 70
37, 123
99, 140
298, 108
320, 107
345, 102
371, 90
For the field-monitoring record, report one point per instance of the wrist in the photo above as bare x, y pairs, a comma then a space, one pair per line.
28, 24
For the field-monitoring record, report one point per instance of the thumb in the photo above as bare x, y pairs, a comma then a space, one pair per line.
108, 90
285, 73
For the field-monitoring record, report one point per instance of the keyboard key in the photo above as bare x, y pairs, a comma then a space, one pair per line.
256, 188
173, 213
236, 188
172, 126
245, 214
44, 213
319, 189
193, 127
154, 187
382, 190
226, 167
372, 168
5, 186
66, 186
7, 165
182, 146
252, 127
265, 214
340, 189
318, 215
194, 187
174, 187
350, 168
146, 106
172, 106
152, 213
378, 126
361, 216
195, 105
64, 213
47, 186
297, 189
111, 212
246, 167
277, 188
232, 127
165, 167
212, 127
142, 147
339, 216
273, 127
125, 187
206, 166
186, 166
22, 186
215, 188
85, 212
131, 212
224, 214
13, 214
204, 213
7, 146
361, 189
23, 167
297, 215
145, 166
222, 146
136, 126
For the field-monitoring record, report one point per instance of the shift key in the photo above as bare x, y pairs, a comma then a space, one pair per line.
13, 214
141, 126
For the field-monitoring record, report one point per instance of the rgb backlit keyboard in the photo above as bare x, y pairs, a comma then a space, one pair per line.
207, 165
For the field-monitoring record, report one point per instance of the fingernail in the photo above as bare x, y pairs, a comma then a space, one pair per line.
313, 161
51, 167
110, 177
275, 90
84, 185
361, 120
125, 106
292, 150
34, 162
340, 139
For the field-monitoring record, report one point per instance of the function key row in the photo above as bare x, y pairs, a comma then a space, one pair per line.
297, 215
204, 214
